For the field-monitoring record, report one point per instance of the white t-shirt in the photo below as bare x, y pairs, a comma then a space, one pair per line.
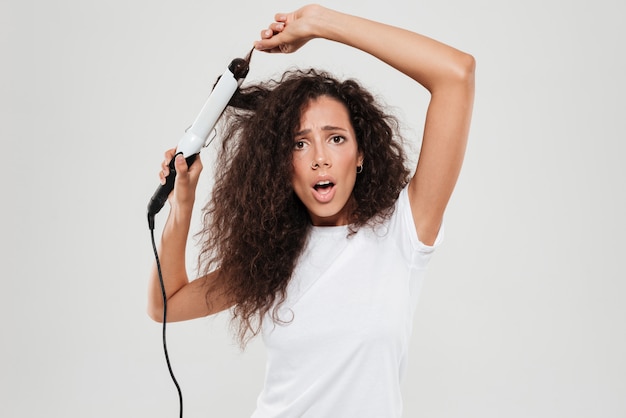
342, 351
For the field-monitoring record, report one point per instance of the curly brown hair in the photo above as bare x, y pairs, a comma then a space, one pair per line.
255, 227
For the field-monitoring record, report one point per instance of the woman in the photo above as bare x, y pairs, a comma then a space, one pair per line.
315, 235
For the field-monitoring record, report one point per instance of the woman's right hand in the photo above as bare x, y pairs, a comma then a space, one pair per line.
184, 192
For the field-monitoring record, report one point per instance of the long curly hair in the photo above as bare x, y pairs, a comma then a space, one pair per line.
254, 225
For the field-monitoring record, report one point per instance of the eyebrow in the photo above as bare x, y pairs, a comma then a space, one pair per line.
324, 128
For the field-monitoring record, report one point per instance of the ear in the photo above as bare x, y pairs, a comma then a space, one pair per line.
360, 159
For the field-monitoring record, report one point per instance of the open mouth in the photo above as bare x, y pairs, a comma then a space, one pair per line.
323, 187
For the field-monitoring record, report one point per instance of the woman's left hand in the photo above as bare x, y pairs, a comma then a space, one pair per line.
291, 31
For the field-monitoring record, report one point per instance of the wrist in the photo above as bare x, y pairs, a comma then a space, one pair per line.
317, 18
327, 23
181, 211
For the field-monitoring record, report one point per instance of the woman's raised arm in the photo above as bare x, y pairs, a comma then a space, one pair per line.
447, 73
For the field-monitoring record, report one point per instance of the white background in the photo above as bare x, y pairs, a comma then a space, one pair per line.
522, 314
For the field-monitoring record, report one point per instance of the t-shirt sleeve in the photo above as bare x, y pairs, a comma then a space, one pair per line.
404, 218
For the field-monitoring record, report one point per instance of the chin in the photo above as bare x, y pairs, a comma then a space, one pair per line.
329, 217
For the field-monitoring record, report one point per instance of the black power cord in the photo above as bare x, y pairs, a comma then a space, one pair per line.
167, 357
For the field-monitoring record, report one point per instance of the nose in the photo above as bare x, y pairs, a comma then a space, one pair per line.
321, 158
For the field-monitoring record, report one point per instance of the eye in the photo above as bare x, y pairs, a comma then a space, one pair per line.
299, 145
337, 139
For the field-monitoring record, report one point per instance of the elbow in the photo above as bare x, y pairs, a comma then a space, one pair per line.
461, 76
155, 313
466, 69
456, 76
460, 70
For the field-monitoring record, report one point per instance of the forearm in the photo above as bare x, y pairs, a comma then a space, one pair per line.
429, 62
172, 260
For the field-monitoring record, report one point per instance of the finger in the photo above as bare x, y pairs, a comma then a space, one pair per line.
169, 154
264, 47
280, 17
271, 44
180, 164
182, 172
165, 171
274, 29
277, 27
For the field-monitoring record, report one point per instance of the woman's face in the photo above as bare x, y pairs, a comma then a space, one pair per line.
325, 160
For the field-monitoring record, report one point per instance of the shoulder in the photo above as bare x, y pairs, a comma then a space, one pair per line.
403, 224
397, 227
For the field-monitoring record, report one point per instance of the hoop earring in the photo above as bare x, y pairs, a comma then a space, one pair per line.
359, 169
